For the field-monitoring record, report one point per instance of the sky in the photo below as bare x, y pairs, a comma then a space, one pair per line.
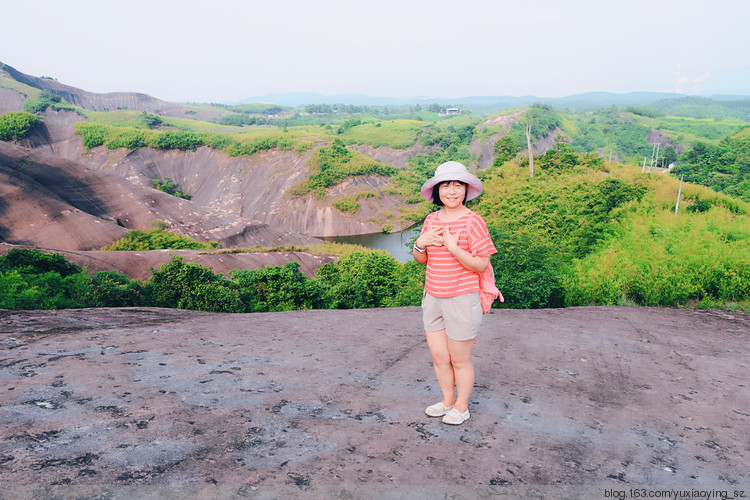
230, 50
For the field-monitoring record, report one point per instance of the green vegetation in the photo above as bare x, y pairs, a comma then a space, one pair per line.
192, 286
544, 119
15, 125
397, 134
350, 204
30, 279
335, 163
582, 231
702, 107
279, 288
363, 280
45, 99
148, 120
168, 187
724, 167
157, 239
505, 150
586, 232
113, 137
667, 261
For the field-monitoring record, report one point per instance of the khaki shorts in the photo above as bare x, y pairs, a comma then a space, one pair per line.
460, 316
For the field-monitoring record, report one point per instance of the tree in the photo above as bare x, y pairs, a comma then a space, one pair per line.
148, 120
361, 280
279, 288
505, 149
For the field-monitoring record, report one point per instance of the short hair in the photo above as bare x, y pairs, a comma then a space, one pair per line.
436, 192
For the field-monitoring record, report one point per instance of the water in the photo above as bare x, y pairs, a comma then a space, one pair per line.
394, 243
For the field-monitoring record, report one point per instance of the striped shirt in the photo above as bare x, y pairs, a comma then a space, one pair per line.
446, 276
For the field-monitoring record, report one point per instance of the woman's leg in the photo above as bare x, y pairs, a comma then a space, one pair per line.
459, 352
441, 361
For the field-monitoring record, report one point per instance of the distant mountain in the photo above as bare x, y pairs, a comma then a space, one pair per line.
299, 99
141, 102
596, 100
579, 102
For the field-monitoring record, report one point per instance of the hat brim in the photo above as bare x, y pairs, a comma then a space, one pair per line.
473, 184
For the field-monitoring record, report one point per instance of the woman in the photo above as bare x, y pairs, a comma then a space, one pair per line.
456, 247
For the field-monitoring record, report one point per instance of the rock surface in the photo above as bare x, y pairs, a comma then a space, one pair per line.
48, 201
605, 397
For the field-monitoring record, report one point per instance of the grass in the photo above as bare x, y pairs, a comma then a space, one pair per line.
326, 249
21, 88
695, 129
397, 134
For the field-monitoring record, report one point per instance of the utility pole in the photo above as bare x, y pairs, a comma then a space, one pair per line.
653, 151
679, 192
528, 144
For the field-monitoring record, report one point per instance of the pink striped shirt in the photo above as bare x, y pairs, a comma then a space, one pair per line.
446, 277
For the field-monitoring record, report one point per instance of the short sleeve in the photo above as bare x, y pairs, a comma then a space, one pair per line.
427, 222
480, 243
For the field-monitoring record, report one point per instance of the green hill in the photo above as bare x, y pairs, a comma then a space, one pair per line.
588, 232
584, 230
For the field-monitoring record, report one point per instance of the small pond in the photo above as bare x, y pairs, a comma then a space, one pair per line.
394, 243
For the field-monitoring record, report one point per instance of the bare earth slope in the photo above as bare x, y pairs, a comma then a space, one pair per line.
608, 397
110, 101
47, 201
254, 187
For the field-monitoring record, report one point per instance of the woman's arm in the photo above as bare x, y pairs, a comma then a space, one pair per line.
419, 257
431, 236
473, 263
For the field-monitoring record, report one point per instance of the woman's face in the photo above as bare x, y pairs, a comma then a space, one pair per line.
452, 193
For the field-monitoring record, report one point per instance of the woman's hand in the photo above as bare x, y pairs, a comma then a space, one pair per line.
450, 240
471, 262
431, 237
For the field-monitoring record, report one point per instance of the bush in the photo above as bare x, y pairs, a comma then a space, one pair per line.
112, 289
275, 288
409, 285
177, 140
46, 99
690, 258
361, 280
350, 204
505, 149
29, 261
41, 291
148, 120
128, 139
525, 271
158, 239
347, 204
192, 286
92, 135
16, 125
168, 187
30, 279
334, 164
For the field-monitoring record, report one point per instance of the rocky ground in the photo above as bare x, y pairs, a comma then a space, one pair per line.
331, 403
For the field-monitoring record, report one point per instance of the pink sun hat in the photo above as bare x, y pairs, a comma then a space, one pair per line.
453, 171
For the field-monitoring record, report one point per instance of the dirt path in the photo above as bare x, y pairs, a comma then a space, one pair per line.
304, 402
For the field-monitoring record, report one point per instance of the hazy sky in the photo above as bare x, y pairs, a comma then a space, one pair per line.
227, 50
